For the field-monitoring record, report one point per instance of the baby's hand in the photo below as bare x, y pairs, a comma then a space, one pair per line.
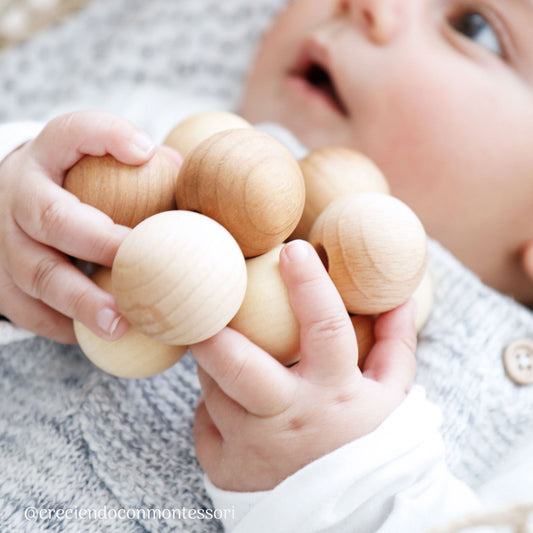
259, 422
41, 223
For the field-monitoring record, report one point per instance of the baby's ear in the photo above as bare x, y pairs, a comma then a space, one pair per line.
527, 259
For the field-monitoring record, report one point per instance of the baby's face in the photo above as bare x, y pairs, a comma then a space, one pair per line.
437, 92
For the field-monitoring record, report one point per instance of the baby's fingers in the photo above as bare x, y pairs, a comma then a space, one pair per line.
207, 439
47, 275
55, 217
36, 316
327, 340
89, 133
245, 373
225, 413
392, 359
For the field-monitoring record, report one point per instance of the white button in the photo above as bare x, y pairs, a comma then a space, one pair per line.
518, 361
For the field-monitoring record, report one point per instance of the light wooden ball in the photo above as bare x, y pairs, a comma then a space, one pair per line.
423, 297
134, 355
335, 172
189, 133
126, 193
375, 250
364, 333
266, 316
179, 277
249, 182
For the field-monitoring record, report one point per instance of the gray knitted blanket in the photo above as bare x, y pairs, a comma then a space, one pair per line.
111, 47
72, 437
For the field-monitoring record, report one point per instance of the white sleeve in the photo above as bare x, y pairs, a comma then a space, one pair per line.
394, 479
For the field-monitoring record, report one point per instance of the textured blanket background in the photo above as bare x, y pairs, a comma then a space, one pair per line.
20, 19
111, 47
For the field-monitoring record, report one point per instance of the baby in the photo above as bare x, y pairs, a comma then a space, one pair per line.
439, 95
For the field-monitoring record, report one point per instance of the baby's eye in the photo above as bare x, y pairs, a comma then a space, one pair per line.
476, 27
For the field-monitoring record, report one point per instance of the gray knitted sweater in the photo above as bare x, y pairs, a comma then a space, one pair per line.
74, 437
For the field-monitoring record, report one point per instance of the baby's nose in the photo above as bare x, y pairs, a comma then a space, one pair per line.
379, 19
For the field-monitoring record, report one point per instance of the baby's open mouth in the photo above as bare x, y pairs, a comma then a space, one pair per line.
318, 77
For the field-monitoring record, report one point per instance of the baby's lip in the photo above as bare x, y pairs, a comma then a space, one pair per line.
313, 66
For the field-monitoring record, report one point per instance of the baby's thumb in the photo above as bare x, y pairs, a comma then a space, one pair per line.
327, 341
67, 138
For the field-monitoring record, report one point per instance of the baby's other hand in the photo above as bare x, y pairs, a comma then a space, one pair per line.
259, 422
41, 224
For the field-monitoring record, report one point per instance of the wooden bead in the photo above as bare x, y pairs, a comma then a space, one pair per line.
247, 181
266, 316
179, 277
335, 172
128, 194
134, 355
364, 333
364, 324
189, 133
423, 297
375, 250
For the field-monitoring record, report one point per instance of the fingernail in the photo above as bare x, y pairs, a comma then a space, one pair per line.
297, 250
143, 144
108, 320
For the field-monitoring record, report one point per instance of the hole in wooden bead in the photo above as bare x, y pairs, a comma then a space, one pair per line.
323, 254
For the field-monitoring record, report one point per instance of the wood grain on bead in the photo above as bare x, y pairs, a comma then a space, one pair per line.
247, 181
423, 297
364, 333
189, 133
179, 277
375, 249
266, 316
128, 194
335, 172
134, 355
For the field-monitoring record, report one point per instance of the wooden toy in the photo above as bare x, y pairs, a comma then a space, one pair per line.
179, 277
128, 194
374, 248
134, 355
423, 297
193, 130
364, 333
335, 172
248, 182
265, 316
